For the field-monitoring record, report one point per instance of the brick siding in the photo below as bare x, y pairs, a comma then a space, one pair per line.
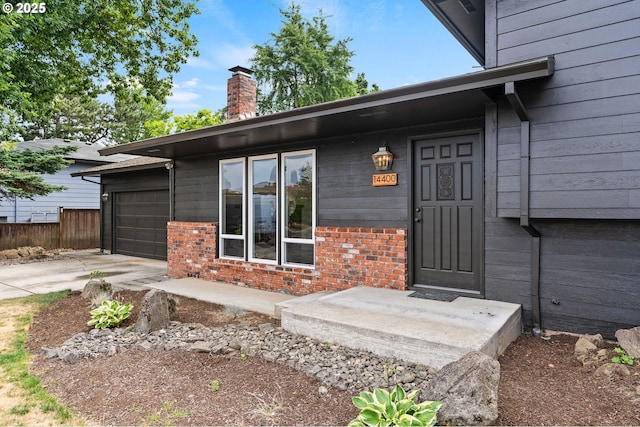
345, 258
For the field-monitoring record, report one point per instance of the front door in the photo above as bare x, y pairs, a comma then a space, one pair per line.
447, 213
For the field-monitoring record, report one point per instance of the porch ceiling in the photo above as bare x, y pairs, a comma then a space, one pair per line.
452, 98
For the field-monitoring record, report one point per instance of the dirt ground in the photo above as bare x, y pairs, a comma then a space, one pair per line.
541, 381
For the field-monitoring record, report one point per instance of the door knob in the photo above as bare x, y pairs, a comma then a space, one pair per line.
416, 219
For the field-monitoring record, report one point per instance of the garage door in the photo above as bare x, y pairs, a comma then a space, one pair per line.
141, 223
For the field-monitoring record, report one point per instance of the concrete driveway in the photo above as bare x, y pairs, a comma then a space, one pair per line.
72, 272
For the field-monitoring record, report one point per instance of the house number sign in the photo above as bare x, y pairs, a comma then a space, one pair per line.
383, 179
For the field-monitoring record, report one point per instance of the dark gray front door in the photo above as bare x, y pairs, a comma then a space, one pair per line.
141, 223
447, 213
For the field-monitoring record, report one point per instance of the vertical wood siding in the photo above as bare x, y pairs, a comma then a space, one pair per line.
80, 228
585, 119
15, 235
77, 229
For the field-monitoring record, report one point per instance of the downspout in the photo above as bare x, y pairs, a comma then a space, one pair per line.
102, 208
101, 211
525, 177
172, 181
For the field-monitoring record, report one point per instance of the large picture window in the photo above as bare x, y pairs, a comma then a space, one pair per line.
299, 207
263, 208
272, 197
232, 212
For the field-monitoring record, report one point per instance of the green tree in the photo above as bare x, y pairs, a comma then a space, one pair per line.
362, 85
80, 118
132, 112
175, 124
21, 171
202, 118
301, 65
84, 48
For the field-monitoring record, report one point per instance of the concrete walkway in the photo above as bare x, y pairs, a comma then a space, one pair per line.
225, 294
72, 272
384, 321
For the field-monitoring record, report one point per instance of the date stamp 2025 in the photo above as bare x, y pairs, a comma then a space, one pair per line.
24, 8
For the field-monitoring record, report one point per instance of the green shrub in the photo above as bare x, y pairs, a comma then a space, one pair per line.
109, 314
397, 408
622, 357
97, 275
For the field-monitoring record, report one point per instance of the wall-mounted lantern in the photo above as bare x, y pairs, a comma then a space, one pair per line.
382, 159
104, 197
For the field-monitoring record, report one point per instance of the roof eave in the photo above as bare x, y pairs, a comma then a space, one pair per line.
463, 38
537, 68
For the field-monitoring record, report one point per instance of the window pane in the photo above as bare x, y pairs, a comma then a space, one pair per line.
265, 203
298, 203
233, 247
232, 196
298, 253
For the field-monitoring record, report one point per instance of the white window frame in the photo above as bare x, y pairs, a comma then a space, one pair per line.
250, 224
224, 236
283, 238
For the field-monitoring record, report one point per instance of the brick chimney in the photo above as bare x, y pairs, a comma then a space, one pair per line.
241, 94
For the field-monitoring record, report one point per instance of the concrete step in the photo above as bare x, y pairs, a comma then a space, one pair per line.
305, 299
389, 323
225, 294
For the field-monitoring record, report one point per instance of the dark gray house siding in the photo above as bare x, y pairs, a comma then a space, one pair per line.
585, 154
196, 189
590, 275
345, 196
578, 183
584, 167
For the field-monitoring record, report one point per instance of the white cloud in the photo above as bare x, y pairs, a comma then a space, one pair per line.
179, 96
199, 62
191, 83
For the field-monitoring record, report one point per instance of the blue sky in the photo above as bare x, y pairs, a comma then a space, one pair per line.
396, 43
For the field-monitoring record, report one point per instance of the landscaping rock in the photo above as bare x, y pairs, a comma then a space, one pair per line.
584, 347
93, 288
596, 339
468, 390
629, 340
154, 312
10, 254
173, 306
200, 347
612, 371
336, 366
23, 252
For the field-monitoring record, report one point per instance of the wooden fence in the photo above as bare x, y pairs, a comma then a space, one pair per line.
77, 229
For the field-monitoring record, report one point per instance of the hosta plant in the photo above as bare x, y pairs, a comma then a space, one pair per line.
396, 408
109, 314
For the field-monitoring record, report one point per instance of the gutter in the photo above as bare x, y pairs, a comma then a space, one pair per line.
493, 77
525, 191
84, 178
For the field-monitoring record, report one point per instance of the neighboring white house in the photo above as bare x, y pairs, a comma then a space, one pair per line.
80, 193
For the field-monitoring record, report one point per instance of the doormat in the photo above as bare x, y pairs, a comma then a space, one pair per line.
434, 295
